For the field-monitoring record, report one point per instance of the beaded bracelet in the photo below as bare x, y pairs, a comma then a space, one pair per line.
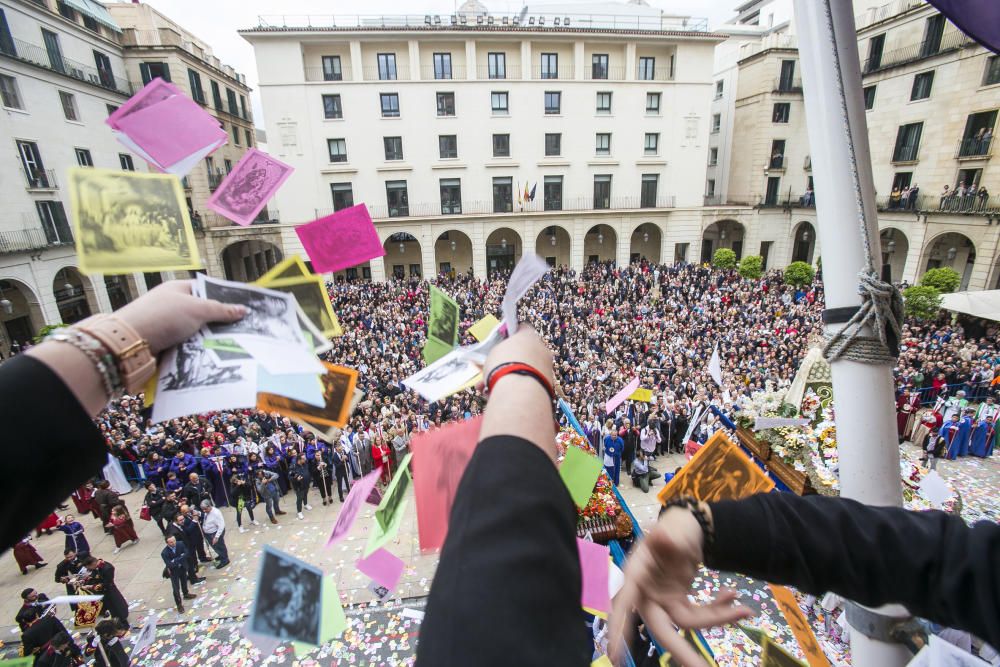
519, 368
697, 509
96, 352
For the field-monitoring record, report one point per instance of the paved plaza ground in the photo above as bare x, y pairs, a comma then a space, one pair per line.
379, 633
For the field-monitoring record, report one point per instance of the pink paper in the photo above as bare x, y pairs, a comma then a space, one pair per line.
346, 238
172, 129
249, 186
383, 567
352, 505
152, 93
440, 457
617, 399
594, 567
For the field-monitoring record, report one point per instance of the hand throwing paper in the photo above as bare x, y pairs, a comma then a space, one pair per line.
579, 472
382, 567
594, 568
525, 274
440, 457
352, 505
249, 186
620, 397
346, 238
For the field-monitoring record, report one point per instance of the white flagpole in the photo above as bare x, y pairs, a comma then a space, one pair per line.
845, 206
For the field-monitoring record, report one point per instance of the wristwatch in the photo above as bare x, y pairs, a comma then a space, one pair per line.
134, 359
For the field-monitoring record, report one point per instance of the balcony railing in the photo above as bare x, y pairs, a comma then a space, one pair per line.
40, 179
804, 200
876, 14
783, 85
319, 74
564, 71
609, 73
510, 72
914, 52
729, 200
24, 240
170, 37
374, 73
776, 163
658, 74
430, 73
906, 153
971, 147
970, 204
492, 21
57, 62
267, 217
381, 212
215, 180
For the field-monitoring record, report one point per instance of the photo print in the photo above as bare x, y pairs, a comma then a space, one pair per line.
288, 602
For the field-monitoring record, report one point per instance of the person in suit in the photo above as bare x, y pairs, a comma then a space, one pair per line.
176, 530
175, 557
196, 490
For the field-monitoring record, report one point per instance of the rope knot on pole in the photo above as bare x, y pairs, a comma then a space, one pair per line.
881, 312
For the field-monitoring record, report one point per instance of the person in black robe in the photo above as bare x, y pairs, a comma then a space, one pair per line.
105, 644
102, 578
30, 610
60, 651
39, 632
66, 568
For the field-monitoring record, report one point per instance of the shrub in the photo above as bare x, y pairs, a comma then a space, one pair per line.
799, 274
752, 267
944, 280
724, 258
922, 302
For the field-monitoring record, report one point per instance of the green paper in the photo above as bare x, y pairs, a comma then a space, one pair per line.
301, 648
579, 472
26, 661
392, 499
378, 537
433, 350
442, 325
334, 621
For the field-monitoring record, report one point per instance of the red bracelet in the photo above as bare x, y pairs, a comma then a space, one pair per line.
519, 368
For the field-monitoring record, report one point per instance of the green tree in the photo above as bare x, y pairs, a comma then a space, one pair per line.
799, 274
944, 280
922, 302
46, 330
752, 267
724, 258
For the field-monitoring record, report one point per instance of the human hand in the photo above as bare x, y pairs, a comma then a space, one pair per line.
169, 314
525, 347
658, 578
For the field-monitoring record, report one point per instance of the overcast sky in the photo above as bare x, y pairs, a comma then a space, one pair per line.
216, 21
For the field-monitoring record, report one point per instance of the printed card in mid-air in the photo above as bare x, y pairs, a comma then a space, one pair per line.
346, 238
525, 274
288, 601
446, 376
249, 186
442, 326
310, 292
338, 390
124, 222
167, 128
719, 471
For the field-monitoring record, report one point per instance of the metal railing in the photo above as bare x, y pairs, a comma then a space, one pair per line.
489, 206
374, 73
973, 147
430, 73
914, 52
319, 74
565, 20
804, 200
776, 163
783, 85
658, 74
267, 217
877, 14
906, 153
777, 41
24, 240
729, 200
215, 180
609, 73
57, 62
563, 71
170, 37
965, 204
510, 72
40, 179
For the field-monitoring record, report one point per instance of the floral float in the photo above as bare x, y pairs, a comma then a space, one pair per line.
603, 517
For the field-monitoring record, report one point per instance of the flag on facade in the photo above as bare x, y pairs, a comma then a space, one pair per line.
532, 196
520, 202
715, 366
979, 19
527, 197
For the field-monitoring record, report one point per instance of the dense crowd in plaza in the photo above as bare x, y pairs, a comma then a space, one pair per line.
606, 326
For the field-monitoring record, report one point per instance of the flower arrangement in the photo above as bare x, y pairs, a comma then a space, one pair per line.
603, 504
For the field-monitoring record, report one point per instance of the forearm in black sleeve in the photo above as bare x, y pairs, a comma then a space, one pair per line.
507, 587
930, 562
51, 445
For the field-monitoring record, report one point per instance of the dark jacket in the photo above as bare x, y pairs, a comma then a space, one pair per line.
176, 559
40, 632
195, 492
300, 476
154, 501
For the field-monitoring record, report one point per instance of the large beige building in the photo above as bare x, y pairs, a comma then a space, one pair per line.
932, 96
156, 46
440, 123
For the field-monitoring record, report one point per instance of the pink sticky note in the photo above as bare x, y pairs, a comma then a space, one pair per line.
352, 505
440, 457
383, 567
172, 129
617, 399
248, 187
594, 567
346, 238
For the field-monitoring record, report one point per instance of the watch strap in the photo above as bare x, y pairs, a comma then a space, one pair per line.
135, 360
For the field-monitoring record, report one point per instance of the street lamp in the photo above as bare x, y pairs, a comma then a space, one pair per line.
503, 243
805, 235
722, 234
552, 239
600, 238
68, 287
402, 248
645, 237
890, 247
453, 246
952, 251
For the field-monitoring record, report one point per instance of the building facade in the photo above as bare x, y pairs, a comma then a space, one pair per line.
476, 137
932, 96
62, 72
156, 46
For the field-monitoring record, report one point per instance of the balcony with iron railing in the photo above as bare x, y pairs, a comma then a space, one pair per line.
27, 240
969, 204
319, 74
56, 62
375, 73
162, 37
492, 22
431, 73
974, 148
789, 200
215, 180
491, 207
609, 73
563, 71
39, 179
509, 72
787, 85
886, 11
658, 74
914, 52
906, 153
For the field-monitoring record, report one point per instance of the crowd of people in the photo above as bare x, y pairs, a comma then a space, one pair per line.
606, 326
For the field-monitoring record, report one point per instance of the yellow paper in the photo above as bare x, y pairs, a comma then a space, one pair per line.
603, 661
290, 267
595, 612
789, 607
311, 293
481, 329
149, 391
640, 394
127, 221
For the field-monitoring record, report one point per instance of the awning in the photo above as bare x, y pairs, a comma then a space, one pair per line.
984, 304
94, 10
